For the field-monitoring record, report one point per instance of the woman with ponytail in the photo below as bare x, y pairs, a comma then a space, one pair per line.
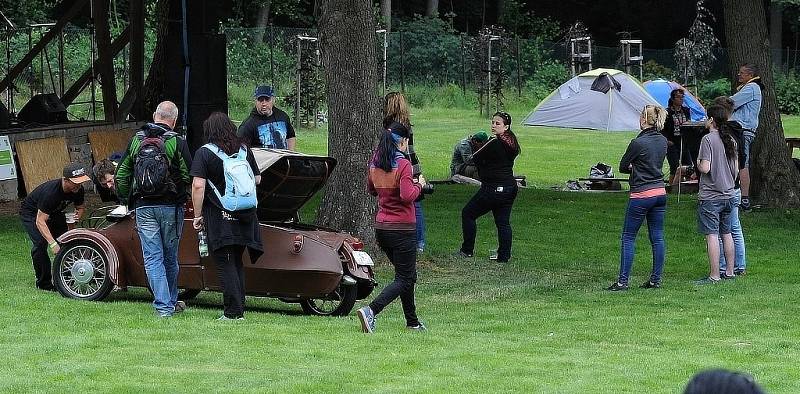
390, 179
643, 160
495, 163
719, 168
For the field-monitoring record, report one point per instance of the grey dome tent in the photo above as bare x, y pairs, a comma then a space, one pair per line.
600, 99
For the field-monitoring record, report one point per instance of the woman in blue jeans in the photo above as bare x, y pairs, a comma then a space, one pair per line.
643, 160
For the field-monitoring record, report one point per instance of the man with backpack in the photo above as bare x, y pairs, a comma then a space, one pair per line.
152, 179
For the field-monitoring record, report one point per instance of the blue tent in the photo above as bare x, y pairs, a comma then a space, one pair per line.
660, 90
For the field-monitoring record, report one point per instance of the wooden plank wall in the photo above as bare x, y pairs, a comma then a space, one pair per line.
42, 160
106, 142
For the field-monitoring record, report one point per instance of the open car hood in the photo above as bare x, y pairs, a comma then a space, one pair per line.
288, 180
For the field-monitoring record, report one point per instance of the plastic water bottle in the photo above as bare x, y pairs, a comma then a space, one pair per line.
202, 245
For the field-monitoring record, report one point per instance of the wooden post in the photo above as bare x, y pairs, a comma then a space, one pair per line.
136, 60
105, 59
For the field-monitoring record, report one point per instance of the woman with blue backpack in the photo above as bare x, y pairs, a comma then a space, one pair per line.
225, 175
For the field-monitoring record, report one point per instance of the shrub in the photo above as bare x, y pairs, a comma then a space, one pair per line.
787, 90
708, 90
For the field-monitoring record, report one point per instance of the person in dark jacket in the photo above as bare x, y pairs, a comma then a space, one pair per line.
677, 114
159, 216
267, 126
390, 179
643, 160
229, 233
495, 162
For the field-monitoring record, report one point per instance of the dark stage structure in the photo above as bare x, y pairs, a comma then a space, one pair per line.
193, 67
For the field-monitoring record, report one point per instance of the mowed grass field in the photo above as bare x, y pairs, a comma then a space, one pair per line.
542, 323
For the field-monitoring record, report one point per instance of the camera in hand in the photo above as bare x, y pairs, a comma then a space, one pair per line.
427, 188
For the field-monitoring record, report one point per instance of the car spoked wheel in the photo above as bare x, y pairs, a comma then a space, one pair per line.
81, 272
338, 303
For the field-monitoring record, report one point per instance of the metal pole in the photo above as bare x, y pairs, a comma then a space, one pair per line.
91, 60
519, 72
30, 45
385, 50
489, 79
271, 56
402, 65
61, 63
299, 67
464, 69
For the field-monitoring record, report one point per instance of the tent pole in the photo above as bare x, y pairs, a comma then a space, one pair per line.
680, 170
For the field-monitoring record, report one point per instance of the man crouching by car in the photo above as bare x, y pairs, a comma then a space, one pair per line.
153, 178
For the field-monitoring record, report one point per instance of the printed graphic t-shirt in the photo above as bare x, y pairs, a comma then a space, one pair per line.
49, 198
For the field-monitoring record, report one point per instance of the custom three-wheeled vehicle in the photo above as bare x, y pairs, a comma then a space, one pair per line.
322, 269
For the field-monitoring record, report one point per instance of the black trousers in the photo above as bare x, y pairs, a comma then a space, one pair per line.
57, 224
495, 198
231, 276
401, 248
674, 155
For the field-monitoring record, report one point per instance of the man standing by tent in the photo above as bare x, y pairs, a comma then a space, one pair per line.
746, 107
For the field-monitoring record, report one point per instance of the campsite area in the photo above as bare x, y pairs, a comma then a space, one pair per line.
542, 323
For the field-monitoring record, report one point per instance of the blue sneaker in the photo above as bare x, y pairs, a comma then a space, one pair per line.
367, 319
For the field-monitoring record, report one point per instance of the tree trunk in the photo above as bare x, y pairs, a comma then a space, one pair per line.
351, 84
263, 19
432, 10
386, 14
775, 33
774, 179
155, 84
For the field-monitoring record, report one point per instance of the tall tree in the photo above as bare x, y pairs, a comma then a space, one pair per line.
774, 179
386, 14
263, 18
776, 31
348, 27
432, 9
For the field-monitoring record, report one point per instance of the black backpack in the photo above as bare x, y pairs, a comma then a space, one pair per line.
151, 166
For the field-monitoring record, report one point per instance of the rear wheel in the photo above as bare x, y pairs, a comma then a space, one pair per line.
338, 303
81, 272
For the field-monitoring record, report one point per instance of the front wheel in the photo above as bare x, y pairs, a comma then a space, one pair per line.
338, 303
81, 272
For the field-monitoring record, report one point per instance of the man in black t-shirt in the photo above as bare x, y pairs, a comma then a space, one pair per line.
267, 126
42, 214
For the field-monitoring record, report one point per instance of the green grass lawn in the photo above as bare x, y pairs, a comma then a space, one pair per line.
539, 324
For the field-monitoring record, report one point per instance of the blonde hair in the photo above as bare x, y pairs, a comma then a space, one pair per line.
395, 109
654, 116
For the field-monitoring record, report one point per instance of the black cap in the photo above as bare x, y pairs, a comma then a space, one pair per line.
76, 173
264, 91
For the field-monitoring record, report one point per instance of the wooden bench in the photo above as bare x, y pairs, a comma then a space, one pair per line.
792, 142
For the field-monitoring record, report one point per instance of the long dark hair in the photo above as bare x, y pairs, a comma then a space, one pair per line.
672, 95
385, 153
720, 116
219, 130
513, 137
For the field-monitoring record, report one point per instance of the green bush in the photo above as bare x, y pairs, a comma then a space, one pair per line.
787, 89
708, 90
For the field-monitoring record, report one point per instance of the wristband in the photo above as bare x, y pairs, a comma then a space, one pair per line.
198, 217
52, 243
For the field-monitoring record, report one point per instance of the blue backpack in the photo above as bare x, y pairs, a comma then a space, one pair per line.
240, 183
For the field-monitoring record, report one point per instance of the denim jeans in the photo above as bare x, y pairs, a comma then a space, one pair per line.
401, 248
420, 225
499, 200
159, 230
738, 238
653, 209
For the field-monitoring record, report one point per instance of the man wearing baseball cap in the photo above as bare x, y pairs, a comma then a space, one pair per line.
42, 214
267, 126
